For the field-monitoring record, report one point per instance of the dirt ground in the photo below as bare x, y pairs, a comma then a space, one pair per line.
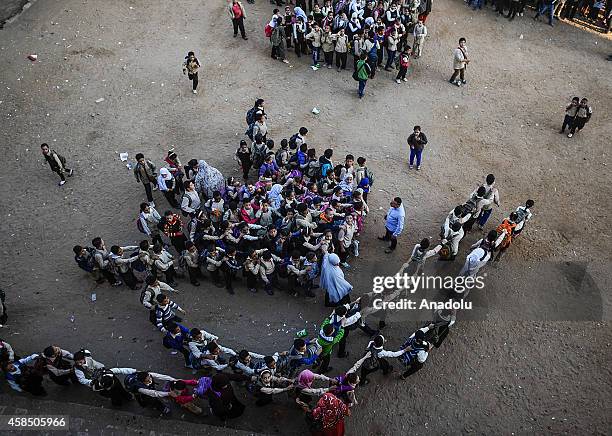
534, 357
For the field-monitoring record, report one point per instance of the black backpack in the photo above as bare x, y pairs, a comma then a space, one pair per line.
372, 363
293, 141
250, 116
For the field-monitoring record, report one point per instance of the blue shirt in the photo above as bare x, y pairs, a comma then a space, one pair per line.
395, 220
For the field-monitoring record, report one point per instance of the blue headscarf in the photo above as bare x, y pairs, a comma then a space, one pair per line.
332, 278
299, 12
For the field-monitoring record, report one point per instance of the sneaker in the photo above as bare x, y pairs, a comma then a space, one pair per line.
338, 69
458, 83
314, 68
235, 35
329, 67
345, 265
398, 81
410, 167
418, 167
464, 81
253, 290
405, 79
569, 135
246, 38
382, 238
152, 203
117, 283
70, 173
388, 251
195, 91
285, 61
62, 182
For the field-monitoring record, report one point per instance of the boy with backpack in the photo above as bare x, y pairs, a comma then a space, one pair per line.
148, 221
122, 264
56, 162
420, 253
417, 351
177, 338
523, 214
376, 358
143, 385
148, 297
329, 335
243, 157
85, 259
259, 151
258, 108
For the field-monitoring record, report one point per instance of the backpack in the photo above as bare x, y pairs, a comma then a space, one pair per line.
142, 296
139, 226
259, 155
131, 383
182, 211
372, 362
521, 214
313, 170
138, 265
250, 115
293, 141
249, 131
279, 156
470, 206
369, 175
268, 30
87, 264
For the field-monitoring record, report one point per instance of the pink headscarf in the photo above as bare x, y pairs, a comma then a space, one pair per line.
305, 379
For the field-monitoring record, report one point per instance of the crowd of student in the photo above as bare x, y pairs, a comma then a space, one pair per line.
293, 220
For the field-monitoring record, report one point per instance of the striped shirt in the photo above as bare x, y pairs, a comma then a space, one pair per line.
163, 314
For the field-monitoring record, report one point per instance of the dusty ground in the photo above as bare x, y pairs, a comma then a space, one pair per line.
535, 357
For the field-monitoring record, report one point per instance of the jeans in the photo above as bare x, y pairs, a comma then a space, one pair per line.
390, 58
548, 7
415, 153
478, 4
484, 217
577, 124
315, 55
238, 24
362, 85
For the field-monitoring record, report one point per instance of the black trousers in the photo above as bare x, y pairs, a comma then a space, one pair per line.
329, 57
32, 383
183, 350
60, 173
194, 274
151, 402
170, 274
63, 380
170, 196
401, 74
194, 78
414, 367
344, 300
324, 363
108, 275
577, 124
347, 330
341, 60
129, 279
251, 280
514, 9
117, 394
567, 122
384, 366
149, 191
238, 23
178, 242
389, 237
460, 73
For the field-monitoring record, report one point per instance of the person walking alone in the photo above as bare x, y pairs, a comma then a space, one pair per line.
460, 62
362, 73
191, 65
236, 12
57, 163
416, 141
144, 171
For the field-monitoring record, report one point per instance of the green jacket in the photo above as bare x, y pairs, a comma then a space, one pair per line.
363, 70
326, 344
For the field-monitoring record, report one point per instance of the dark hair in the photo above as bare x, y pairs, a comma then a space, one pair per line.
490, 179
416, 128
461, 39
492, 235
150, 280
299, 343
424, 244
79, 355
139, 156
259, 102
77, 249
171, 326
194, 332
349, 157
268, 360
328, 329
115, 249
161, 297
143, 206
303, 131
192, 162
49, 352
379, 341
529, 203
212, 346
190, 53
361, 160
340, 310
481, 191
179, 385
243, 354
456, 226
189, 244
513, 217
328, 153
96, 242
398, 200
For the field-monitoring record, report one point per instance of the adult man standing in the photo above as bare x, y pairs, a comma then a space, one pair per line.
460, 62
56, 162
144, 171
394, 223
237, 14
416, 141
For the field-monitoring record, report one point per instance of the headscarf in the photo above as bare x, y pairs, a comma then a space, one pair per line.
260, 382
305, 379
329, 411
346, 185
274, 196
299, 12
332, 278
208, 179
205, 385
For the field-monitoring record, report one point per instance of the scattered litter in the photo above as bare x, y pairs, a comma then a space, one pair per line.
100, 100
316, 111
72, 318
123, 156
94, 297
173, 352
33, 57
